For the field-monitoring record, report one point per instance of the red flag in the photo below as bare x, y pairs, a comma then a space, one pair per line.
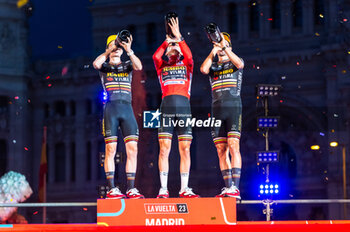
43, 169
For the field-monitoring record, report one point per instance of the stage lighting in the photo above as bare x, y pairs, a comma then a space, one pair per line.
118, 158
333, 144
102, 191
103, 96
267, 156
269, 189
268, 122
266, 90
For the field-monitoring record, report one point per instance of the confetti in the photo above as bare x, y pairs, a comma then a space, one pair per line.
26, 148
334, 66
86, 66
16, 97
48, 77
298, 63
188, 33
345, 20
49, 85
36, 212
283, 77
321, 16
254, 3
59, 46
270, 19
322, 134
343, 71
14, 141
317, 34
349, 52
64, 70
336, 115
85, 209
21, 3
281, 101
257, 67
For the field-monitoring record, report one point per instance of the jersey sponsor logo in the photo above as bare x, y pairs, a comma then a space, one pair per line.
219, 73
174, 82
165, 208
164, 221
121, 74
175, 72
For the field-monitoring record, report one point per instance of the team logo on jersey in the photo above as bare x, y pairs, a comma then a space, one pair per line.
151, 119
174, 72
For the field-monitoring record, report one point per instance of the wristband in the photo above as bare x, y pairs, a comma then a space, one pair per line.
130, 53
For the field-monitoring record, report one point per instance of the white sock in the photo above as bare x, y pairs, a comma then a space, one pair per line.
184, 180
163, 180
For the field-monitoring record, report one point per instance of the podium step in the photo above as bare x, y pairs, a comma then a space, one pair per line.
166, 212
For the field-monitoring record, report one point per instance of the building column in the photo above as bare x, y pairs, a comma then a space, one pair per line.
68, 163
308, 17
243, 20
265, 9
80, 146
286, 18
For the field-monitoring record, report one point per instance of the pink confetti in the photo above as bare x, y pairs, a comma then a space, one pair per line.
281, 101
49, 85
270, 19
36, 212
16, 97
48, 77
298, 63
345, 20
85, 209
26, 148
64, 70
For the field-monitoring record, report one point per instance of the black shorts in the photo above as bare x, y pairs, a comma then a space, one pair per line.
177, 109
230, 114
119, 114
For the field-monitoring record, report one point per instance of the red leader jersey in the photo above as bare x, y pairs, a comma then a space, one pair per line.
175, 77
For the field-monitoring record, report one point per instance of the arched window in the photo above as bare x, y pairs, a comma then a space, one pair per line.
46, 110
72, 108
254, 15
4, 104
151, 36
232, 18
60, 108
60, 162
319, 12
275, 14
297, 12
3, 157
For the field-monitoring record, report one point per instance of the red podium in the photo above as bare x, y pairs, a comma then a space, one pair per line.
166, 212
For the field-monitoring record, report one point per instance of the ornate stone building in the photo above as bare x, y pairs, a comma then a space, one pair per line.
301, 44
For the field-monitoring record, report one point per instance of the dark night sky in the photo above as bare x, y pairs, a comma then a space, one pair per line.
65, 23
